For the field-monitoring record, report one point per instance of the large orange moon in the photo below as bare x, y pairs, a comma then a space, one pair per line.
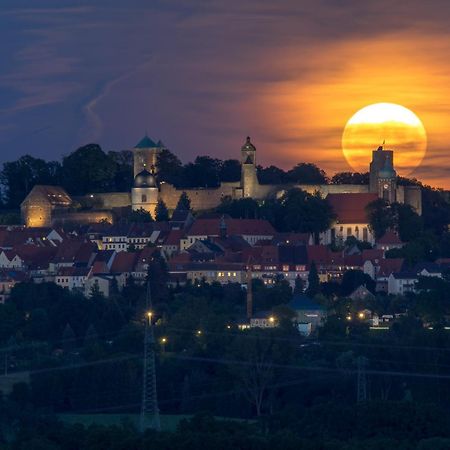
395, 126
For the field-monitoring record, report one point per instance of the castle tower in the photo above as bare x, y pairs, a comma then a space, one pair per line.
145, 191
145, 154
387, 181
382, 176
249, 179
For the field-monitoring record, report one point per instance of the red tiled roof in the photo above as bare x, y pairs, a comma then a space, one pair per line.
372, 254
210, 227
173, 238
351, 208
390, 237
388, 266
124, 262
73, 271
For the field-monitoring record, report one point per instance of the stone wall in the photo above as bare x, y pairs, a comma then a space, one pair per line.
201, 199
36, 213
65, 217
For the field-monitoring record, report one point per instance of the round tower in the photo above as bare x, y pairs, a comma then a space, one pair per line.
145, 192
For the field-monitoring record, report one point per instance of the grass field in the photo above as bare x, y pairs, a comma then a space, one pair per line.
168, 422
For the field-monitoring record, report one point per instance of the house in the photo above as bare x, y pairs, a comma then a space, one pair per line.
72, 278
171, 244
100, 282
361, 293
307, 310
400, 283
263, 319
351, 218
388, 241
181, 219
251, 230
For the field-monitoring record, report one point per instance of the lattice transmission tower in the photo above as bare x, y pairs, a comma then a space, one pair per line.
362, 393
149, 408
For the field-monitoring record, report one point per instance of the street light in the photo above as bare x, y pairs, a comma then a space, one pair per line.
349, 317
272, 320
199, 332
361, 315
163, 344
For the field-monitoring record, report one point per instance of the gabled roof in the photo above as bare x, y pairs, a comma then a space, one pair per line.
388, 266
55, 195
173, 238
211, 227
390, 238
372, 254
124, 262
292, 254
351, 208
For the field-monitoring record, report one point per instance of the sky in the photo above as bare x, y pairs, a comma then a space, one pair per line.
202, 75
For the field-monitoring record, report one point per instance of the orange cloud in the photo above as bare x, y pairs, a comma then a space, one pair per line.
310, 110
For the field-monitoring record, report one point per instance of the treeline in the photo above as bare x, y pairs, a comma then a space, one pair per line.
90, 169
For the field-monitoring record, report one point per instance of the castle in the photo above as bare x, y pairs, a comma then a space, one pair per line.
50, 205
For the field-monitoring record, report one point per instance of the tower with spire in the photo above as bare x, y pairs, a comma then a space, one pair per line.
249, 178
382, 176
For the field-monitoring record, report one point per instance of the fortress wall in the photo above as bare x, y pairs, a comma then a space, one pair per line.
36, 212
201, 199
81, 217
105, 200
413, 197
326, 189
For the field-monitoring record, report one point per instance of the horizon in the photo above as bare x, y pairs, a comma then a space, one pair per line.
203, 76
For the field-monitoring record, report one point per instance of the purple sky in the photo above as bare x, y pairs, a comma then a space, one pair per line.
201, 75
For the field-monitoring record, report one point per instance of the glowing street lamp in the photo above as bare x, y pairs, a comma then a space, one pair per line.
361, 315
163, 344
199, 332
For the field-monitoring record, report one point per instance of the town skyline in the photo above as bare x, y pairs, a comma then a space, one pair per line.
202, 76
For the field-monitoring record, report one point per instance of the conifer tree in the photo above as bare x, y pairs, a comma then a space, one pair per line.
161, 212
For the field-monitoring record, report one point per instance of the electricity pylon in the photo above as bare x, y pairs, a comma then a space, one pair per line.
149, 407
362, 379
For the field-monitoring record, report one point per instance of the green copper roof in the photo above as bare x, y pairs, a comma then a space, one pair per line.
160, 144
145, 142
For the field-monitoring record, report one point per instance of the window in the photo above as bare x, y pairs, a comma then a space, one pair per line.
144, 198
349, 231
365, 235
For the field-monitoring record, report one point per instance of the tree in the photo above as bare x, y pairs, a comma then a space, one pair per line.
299, 285
350, 178
271, 175
161, 212
380, 217
203, 172
307, 173
169, 168
123, 177
352, 279
313, 281
19, 177
243, 208
140, 216
305, 213
230, 170
184, 203
88, 169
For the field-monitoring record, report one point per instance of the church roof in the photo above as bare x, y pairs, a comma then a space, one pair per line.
351, 208
146, 142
